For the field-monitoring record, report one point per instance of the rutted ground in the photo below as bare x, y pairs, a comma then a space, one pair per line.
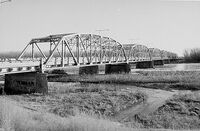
155, 99
180, 112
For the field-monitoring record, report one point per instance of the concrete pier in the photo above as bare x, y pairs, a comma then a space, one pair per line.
21, 83
174, 60
90, 69
166, 61
144, 64
117, 68
1, 91
158, 62
132, 65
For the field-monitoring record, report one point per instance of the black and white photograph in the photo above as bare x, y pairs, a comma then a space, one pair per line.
99, 65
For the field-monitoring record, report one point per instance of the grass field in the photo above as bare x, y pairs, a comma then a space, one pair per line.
180, 112
69, 99
16, 118
182, 80
88, 103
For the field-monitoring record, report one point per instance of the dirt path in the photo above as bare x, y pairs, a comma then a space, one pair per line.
155, 99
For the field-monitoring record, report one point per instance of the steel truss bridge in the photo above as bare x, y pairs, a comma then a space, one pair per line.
80, 49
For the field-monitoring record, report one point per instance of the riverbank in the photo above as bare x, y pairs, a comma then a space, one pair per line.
180, 80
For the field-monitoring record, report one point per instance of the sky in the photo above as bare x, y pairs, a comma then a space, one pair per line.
172, 25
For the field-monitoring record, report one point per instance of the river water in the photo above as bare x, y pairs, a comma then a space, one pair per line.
180, 67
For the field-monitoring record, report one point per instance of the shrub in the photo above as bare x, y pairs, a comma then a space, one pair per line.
192, 55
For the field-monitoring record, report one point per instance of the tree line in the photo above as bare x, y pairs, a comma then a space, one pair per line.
192, 55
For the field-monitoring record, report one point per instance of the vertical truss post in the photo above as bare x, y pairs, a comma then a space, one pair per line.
63, 55
55, 62
41, 69
161, 54
90, 49
77, 49
32, 55
109, 53
50, 48
66, 53
95, 56
68, 59
150, 54
100, 55
83, 58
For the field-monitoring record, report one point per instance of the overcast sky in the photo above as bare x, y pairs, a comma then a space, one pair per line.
165, 24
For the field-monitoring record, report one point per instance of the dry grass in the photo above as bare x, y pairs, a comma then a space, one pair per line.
15, 118
180, 112
99, 102
18, 119
183, 80
68, 99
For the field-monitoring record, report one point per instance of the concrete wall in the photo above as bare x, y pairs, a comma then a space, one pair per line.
92, 69
144, 64
117, 68
26, 83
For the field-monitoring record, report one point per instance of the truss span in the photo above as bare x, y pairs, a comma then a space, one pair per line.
83, 49
77, 49
136, 52
155, 53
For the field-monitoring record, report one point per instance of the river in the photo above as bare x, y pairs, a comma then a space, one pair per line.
180, 67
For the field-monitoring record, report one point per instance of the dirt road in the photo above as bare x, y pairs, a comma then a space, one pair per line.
155, 99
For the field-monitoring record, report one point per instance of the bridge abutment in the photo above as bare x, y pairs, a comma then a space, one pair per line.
117, 68
144, 64
30, 82
92, 69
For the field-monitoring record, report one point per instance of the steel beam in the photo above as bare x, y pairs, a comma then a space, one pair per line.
77, 49
70, 51
63, 55
50, 56
24, 50
33, 53
41, 51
